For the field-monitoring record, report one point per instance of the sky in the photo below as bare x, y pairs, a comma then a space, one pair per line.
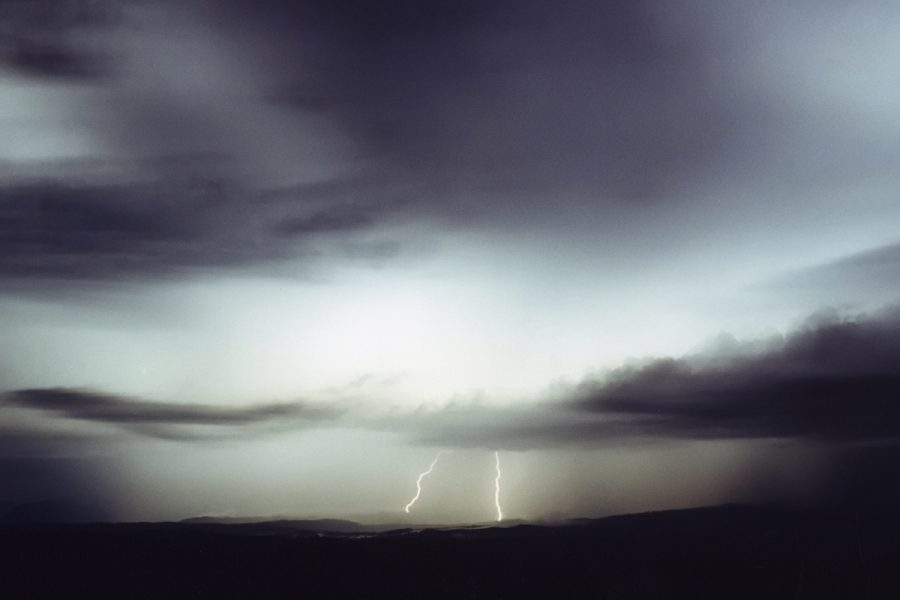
271, 258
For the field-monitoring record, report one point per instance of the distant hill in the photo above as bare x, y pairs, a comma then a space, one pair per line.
328, 525
317, 525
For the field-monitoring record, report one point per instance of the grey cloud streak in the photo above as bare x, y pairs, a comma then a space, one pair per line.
178, 421
874, 272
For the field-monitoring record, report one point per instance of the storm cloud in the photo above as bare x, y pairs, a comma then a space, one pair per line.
481, 212
834, 381
508, 97
55, 39
53, 230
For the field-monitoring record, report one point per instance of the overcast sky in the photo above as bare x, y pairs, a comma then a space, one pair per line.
263, 257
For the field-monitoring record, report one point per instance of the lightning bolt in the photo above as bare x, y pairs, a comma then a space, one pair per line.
497, 487
422, 476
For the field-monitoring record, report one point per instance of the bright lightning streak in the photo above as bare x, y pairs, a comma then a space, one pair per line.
497, 488
419, 482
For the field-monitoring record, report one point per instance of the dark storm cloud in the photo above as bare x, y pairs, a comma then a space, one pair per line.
864, 475
55, 38
835, 381
163, 420
81, 231
509, 97
328, 220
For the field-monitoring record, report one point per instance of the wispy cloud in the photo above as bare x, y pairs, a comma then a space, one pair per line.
874, 272
167, 420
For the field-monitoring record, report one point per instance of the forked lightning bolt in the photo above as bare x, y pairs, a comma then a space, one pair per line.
419, 482
497, 487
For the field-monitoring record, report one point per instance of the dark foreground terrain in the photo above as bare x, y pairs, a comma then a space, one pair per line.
724, 552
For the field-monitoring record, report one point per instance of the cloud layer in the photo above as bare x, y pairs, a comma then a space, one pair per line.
836, 380
507, 97
69, 231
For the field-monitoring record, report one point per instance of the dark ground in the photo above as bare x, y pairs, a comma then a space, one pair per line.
727, 552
